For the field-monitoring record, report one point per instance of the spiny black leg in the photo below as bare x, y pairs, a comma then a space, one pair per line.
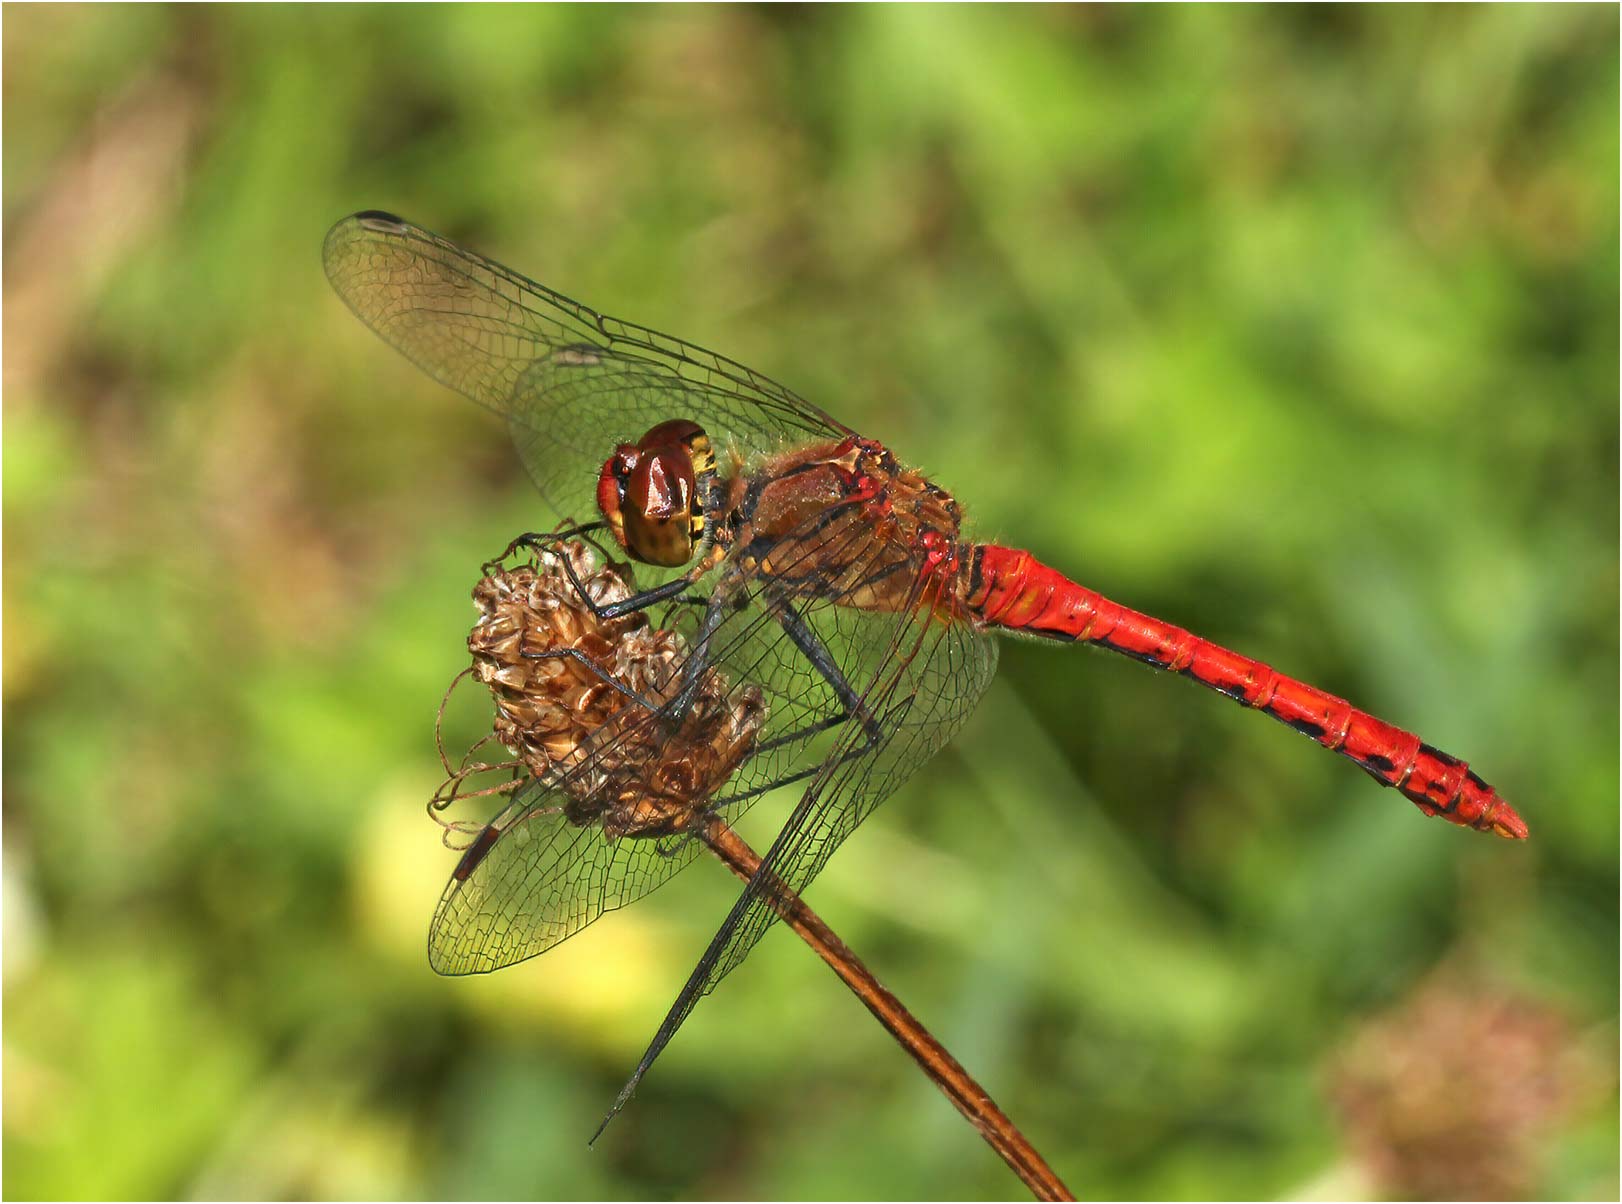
815, 651
807, 641
804, 733
539, 540
547, 541
636, 602
850, 754
874, 737
692, 670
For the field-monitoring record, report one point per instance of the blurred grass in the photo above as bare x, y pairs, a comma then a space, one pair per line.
1296, 327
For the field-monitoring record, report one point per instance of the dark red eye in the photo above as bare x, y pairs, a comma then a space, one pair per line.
648, 492
658, 507
678, 432
662, 484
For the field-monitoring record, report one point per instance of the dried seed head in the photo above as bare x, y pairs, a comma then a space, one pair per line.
576, 697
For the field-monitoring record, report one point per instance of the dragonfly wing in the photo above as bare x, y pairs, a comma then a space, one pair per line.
572, 383
919, 694
532, 878
539, 881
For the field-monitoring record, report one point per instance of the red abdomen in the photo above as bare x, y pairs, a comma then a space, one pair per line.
1011, 589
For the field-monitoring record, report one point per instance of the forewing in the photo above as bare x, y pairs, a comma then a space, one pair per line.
572, 383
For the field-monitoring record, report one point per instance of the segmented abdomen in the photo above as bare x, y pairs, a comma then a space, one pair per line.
1010, 588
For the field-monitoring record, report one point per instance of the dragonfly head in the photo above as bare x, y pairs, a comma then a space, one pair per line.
649, 491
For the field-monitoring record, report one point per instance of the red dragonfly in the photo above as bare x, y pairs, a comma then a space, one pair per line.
800, 559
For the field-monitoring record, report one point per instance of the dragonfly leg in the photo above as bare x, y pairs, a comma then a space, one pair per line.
693, 669
803, 733
816, 652
643, 600
850, 754
810, 646
547, 540
813, 649
542, 541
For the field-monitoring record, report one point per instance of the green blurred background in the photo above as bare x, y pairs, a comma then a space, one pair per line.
1296, 327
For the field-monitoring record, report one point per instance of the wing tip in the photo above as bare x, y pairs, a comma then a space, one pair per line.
377, 221
447, 961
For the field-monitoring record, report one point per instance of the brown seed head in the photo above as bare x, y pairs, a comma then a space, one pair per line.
573, 694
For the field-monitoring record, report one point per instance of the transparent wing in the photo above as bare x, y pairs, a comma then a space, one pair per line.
917, 695
539, 879
534, 878
570, 382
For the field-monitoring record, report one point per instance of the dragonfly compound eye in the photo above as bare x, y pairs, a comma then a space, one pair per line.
650, 493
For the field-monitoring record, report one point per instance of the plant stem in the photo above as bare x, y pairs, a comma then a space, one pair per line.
967, 1096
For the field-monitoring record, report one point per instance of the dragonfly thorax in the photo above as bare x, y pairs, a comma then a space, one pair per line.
651, 492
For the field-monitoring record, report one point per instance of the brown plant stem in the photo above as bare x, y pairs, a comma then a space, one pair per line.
967, 1096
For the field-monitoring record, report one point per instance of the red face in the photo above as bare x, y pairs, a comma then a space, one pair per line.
648, 492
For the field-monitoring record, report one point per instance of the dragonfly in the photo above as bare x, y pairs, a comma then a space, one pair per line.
796, 557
